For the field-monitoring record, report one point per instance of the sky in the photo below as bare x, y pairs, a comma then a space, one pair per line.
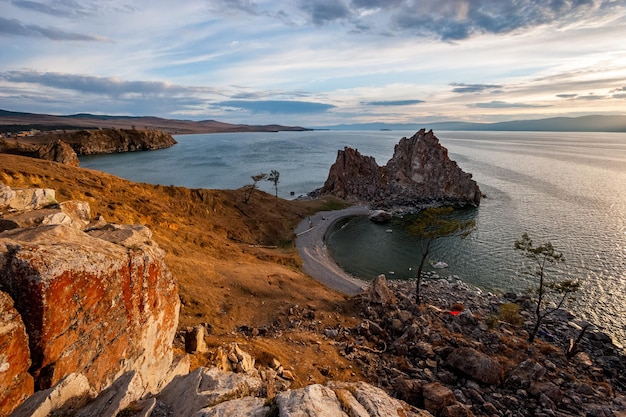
315, 62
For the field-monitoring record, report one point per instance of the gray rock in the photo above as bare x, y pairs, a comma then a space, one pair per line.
476, 365
243, 407
313, 400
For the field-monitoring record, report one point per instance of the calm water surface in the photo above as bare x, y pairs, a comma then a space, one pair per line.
567, 188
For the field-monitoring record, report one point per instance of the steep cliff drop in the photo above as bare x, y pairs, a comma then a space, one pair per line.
419, 173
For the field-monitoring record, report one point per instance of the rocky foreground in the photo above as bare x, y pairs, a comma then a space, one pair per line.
89, 312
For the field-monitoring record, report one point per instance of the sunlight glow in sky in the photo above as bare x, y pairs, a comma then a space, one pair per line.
315, 62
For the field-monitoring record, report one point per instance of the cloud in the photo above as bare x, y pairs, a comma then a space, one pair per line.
453, 20
392, 103
277, 106
473, 88
503, 105
567, 95
590, 97
450, 20
59, 8
13, 27
325, 11
110, 86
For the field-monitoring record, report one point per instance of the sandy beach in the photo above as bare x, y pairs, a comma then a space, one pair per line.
316, 260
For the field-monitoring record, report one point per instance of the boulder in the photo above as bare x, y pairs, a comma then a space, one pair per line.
91, 306
203, 388
380, 216
12, 199
312, 400
437, 397
67, 395
242, 407
420, 172
375, 401
232, 358
476, 365
16, 384
379, 292
73, 213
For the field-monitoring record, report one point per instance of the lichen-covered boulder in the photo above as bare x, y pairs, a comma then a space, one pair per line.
92, 306
16, 384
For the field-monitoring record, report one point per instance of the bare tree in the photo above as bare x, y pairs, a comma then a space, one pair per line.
274, 177
431, 224
249, 189
550, 295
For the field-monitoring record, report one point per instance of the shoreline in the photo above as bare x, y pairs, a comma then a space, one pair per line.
316, 260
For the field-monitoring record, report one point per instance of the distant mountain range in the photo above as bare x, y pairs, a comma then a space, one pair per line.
596, 123
15, 121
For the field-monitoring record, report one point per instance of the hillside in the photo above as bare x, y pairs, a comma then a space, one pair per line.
16, 121
235, 263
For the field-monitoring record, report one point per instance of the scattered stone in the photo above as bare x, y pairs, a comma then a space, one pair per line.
380, 216
194, 340
476, 365
379, 293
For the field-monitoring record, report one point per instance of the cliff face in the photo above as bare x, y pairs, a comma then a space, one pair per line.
58, 151
89, 142
420, 172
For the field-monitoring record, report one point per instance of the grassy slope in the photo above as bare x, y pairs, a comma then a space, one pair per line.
211, 239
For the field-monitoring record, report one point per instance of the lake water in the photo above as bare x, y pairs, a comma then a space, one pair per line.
567, 188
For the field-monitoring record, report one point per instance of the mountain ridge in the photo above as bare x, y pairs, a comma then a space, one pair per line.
590, 123
17, 121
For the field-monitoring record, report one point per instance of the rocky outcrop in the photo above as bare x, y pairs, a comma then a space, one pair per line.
99, 303
88, 302
16, 384
58, 151
420, 172
89, 142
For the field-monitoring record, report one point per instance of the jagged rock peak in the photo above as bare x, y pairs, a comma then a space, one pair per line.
420, 172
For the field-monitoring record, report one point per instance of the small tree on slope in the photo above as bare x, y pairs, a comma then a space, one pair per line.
274, 177
550, 295
249, 189
430, 225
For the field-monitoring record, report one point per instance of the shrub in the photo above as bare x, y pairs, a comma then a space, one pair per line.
509, 312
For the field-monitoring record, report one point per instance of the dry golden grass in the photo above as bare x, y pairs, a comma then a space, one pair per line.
219, 249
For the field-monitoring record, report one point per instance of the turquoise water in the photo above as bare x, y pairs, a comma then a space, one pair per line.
567, 188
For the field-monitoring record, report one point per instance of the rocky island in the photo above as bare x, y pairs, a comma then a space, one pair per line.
419, 173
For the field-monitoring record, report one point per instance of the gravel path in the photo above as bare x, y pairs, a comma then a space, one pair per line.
316, 260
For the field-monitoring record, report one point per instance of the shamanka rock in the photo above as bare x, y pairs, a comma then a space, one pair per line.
420, 172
